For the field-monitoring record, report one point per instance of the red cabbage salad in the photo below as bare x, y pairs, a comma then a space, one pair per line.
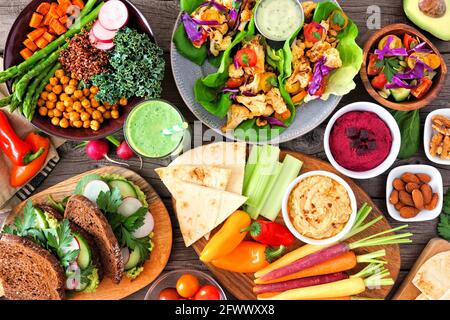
402, 68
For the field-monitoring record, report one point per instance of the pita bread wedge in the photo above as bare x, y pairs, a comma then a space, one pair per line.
433, 277
446, 295
208, 176
227, 155
421, 297
201, 209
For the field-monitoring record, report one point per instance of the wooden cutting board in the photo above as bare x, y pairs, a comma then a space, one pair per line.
408, 290
240, 284
162, 239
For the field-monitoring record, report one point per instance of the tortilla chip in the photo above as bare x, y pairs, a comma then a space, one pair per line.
227, 155
207, 176
201, 209
433, 277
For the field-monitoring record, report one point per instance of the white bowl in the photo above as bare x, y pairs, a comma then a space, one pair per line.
390, 122
436, 184
338, 236
428, 134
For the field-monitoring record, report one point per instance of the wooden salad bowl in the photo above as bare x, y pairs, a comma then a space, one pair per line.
438, 82
12, 57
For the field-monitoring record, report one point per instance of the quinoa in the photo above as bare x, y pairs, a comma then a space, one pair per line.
82, 59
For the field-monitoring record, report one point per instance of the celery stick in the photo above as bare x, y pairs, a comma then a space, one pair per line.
289, 171
268, 158
250, 166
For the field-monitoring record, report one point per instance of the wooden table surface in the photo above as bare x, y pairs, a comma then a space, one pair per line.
162, 15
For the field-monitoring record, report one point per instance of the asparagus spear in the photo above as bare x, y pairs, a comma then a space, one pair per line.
41, 54
27, 107
5, 101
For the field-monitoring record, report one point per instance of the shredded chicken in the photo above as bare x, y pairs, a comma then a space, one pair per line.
236, 115
333, 59
273, 98
318, 50
235, 73
254, 86
308, 8
298, 49
301, 73
257, 105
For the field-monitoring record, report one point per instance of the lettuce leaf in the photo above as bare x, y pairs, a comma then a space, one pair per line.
190, 5
216, 104
187, 49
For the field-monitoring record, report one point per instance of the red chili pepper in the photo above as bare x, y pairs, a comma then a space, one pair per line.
22, 174
270, 233
18, 151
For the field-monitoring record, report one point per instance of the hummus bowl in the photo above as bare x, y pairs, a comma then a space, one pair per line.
332, 203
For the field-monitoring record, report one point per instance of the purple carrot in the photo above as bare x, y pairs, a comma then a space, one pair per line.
299, 283
308, 261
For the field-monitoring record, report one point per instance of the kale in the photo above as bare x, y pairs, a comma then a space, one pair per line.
137, 68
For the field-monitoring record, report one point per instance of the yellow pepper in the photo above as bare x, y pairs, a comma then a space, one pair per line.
227, 238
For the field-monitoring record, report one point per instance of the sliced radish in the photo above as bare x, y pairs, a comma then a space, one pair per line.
129, 206
93, 189
113, 15
101, 34
71, 283
125, 255
147, 227
73, 267
74, 245
100, 45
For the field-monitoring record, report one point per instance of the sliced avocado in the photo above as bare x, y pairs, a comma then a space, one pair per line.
439, 27
400, 94
126, 189
133, 261
85, 256
41, 219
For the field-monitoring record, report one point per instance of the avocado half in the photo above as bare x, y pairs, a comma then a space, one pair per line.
439, 27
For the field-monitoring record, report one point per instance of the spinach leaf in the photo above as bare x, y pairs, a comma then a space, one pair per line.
190, 5
216, 103
409, 124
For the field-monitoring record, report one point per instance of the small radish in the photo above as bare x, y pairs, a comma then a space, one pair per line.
98, 150
99, 45
93, 189
123, 150
147, 227
113, 15
125, 255
74, 245
71, 283
101, 34
129, 206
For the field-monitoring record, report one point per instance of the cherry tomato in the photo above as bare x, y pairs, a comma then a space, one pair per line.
409, 42
234, 82
379, 81
322, 88
208, 292
246, 57
187, 285
395, 43
169, 294
202, 40
372, 69
313, 32
338, 20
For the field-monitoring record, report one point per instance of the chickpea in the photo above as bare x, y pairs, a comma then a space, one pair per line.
55, 121
50, 105
89, 110
86, 103
96, 115
43, 111
54, 81
107, 106
41, 102
65, 80
77, 106
95, 125
66, 115
102, 109
57, 113
78, 124
78, 94
69, 109
94, 103
73, 82
50, 113
57, 89
94, 89
84, 116
91, 96
73, 75
70, 89
115, 114
60, 106
68, 103
123, 101
86, 92
101, 120
74, 116
52, 97
44, 95
107, 115
64, 123
115, 107
49, 87
64, 96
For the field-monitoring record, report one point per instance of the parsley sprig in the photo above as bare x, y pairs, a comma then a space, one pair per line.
444, 224
390, 67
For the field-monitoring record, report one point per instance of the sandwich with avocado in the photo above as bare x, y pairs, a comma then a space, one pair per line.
44, 256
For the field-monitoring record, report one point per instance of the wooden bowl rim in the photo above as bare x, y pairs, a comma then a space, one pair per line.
410, 105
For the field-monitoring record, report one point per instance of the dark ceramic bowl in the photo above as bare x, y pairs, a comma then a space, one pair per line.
12, 57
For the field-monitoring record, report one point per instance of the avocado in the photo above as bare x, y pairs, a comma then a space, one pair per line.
437, 26
400, 94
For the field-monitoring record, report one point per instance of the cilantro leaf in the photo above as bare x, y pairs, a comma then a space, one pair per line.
136, 220
317, 35
244, 59
272, 81
338, 19
379, 63
109, 201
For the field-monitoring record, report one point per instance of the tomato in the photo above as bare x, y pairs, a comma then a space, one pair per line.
395, 43
187, 285
338, 20
322, 88
372, 69
313, 32
423, 87
202, 40
246, 57
411, 60
379, 81
208, 292
234, 82
409, 42
169, 294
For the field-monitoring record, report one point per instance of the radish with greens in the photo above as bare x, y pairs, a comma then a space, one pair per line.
123, 150
113, 15
98, 150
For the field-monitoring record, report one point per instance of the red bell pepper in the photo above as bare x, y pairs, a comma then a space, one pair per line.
18, 151
379, 81
372, 69
409, 42
22, 174
270, 233
423, 87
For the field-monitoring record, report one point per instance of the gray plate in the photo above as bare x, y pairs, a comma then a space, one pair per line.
309, 116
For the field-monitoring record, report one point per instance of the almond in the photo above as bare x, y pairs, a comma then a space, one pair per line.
394, 197
405, 198
411, 186
409, 177
417, 199
398, 184
399, 205
409, 212
433, 203
427, 193
423, 177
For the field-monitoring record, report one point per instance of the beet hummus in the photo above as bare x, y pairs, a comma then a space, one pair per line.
360, 141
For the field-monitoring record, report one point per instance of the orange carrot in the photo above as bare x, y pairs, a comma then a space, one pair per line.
43, 8
48, 36
30, 45
64, 20
78, 3
36, 20
299, 96
26, 53
41, 42
36, 34
53, 12
58, 27
47, 19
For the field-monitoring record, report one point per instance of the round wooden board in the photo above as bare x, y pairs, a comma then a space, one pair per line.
241, 284
162, 238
